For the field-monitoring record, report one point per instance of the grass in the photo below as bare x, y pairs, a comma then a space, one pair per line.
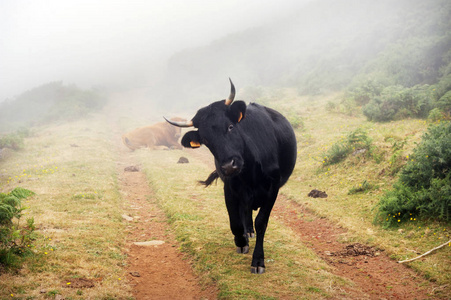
78, 207
77, 211
355, 211
200, 220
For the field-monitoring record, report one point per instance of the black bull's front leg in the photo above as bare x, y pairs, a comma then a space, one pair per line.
240, 217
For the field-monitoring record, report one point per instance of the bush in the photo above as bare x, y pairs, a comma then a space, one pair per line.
444, 103
14, 140
295, 120
397, 102
50, 102
356, 140
435, 115
14, 238
365, 91
424, 186
397, 158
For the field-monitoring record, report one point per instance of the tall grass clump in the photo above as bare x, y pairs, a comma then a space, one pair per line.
424, 186
355, 141
14, 238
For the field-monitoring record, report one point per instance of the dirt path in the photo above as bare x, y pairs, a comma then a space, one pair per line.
370, 269
164, 273
159, 270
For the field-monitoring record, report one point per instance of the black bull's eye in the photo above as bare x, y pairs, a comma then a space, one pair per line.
230, 127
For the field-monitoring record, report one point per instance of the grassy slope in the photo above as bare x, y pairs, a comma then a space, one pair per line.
77, 209
356, 212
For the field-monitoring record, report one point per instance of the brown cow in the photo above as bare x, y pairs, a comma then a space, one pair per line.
157, 136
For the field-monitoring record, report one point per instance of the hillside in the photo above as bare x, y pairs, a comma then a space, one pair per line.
325, 46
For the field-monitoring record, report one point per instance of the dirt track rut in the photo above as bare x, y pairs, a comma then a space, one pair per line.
157, 271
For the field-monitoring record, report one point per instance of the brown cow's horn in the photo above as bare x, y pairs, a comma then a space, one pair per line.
180, 124
232, 93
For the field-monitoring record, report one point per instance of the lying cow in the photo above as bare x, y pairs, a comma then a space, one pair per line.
157, 136
255, 153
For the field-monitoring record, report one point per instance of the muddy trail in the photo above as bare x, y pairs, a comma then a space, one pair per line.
369, 268
156, 269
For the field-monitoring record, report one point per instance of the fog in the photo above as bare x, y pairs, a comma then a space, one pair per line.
113, 43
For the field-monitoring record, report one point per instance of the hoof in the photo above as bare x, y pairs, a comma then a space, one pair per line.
242, 250
257, 270
251, 235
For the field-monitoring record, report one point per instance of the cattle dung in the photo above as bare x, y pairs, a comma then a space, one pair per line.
317, 194
131, 169
356, 249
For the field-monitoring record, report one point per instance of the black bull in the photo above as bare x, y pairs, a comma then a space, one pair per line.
255, 153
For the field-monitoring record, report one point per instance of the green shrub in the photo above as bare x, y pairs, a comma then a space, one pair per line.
396, 102
14, 140
295, 120
444, 103
435, 115
424, 186
14, 238
397, 158
331, 106
356, 140
365, 91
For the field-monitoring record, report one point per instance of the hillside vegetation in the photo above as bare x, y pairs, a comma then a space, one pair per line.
328, 46
48, 103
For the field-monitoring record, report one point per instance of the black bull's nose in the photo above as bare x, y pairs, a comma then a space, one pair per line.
230, 168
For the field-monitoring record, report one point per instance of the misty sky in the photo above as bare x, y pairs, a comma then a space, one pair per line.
102, 42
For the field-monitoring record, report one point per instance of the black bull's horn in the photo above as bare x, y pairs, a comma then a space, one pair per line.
180, 124
228, 101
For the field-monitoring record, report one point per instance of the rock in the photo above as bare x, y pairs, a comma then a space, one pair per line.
127, 218
359, 151
183, 160
149, 243
135, 274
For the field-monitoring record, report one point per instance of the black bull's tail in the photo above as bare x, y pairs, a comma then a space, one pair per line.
212, 177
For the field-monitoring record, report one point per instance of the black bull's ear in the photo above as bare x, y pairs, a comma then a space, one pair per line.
191, 139
237, 111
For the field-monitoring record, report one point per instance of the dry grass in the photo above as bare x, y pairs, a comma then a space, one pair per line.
77, 211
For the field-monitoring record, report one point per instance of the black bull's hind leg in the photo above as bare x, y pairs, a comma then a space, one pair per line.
261, 223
